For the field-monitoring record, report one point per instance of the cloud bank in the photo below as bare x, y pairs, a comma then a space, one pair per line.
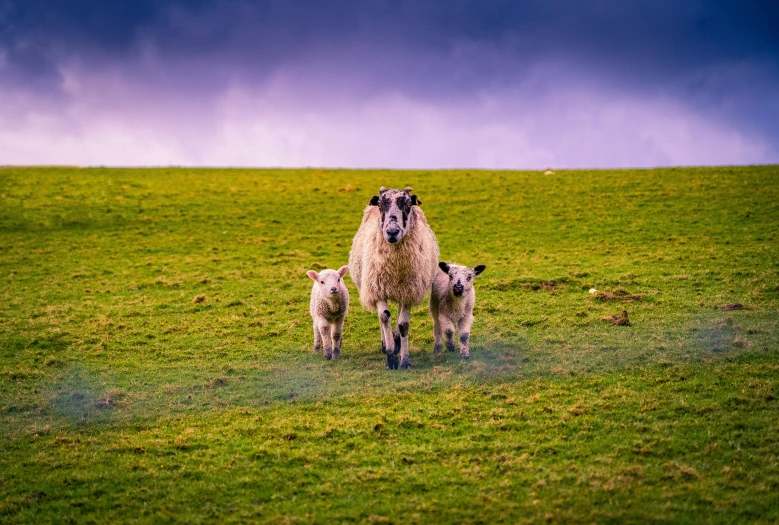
478, 85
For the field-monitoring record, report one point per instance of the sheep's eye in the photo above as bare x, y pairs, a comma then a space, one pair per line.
339, 280
322, 282
450, 277
469, 277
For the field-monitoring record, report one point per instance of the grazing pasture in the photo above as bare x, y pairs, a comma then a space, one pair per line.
156, 350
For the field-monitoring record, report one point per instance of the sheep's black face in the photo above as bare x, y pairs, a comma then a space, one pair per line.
396, 212
460, 277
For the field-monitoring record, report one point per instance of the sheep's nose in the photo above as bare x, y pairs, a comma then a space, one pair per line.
458, 289
333, 289
393, 231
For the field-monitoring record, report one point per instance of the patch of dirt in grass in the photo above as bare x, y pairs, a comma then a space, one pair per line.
544, 285
679, 471
619, 294
618, 320
733, 306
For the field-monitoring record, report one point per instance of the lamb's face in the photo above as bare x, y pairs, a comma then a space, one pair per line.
329, 282
460, 277
396, 207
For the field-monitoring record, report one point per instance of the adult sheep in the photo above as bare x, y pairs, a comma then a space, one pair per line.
394, 257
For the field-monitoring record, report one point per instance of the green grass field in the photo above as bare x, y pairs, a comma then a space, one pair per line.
123, 400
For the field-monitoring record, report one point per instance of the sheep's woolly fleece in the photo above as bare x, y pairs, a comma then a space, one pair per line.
401, 272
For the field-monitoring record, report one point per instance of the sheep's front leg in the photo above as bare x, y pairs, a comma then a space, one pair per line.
464, 331
317, 339
404, 318
338, 328
324, 330
448, 329
387, 343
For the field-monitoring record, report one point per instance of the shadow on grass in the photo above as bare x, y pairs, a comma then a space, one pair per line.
79, 396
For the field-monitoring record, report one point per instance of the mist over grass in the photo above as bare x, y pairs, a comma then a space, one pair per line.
123, 398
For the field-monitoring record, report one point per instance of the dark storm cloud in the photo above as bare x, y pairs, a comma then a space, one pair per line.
716, 61
644, 42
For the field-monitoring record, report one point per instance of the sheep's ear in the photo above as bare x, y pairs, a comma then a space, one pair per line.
374, 200
408, 189
343, 270
313, 275
382, 190
415, 200
478, 269
444, 267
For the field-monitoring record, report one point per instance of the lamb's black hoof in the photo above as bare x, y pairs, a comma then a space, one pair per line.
397, 342
405, 365
336, 354
392, 362
450, 347
437, 349
328, 356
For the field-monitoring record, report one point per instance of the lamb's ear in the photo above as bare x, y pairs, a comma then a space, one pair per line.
382, 190
343, 270
478, 269
374, 200
444, 267
415, 200
313, 275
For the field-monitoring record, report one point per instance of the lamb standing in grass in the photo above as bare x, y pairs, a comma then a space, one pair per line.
451, 305
328, 308
393, 258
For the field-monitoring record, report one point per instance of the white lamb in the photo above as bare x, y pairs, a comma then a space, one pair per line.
451, 305
328, 308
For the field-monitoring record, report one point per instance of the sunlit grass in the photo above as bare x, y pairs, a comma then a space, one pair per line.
122, 398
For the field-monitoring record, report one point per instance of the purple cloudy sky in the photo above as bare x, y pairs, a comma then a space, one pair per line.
379, 83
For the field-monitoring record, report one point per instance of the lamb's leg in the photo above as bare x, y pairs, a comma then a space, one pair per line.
448, 327
324, 330
404, 318
437, 335
338, 328
317, 339
387, 344
464, 331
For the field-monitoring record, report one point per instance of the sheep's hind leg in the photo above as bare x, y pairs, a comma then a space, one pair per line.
404, 318
437, 335
387, 342
317, 339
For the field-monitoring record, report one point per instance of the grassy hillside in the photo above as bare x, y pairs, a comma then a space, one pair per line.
121, 399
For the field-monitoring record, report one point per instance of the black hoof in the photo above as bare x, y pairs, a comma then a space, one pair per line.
405, 365
450, 347
336, 353
437, 349
392, 362
328, 356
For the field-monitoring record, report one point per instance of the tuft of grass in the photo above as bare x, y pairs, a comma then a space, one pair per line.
157, 365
